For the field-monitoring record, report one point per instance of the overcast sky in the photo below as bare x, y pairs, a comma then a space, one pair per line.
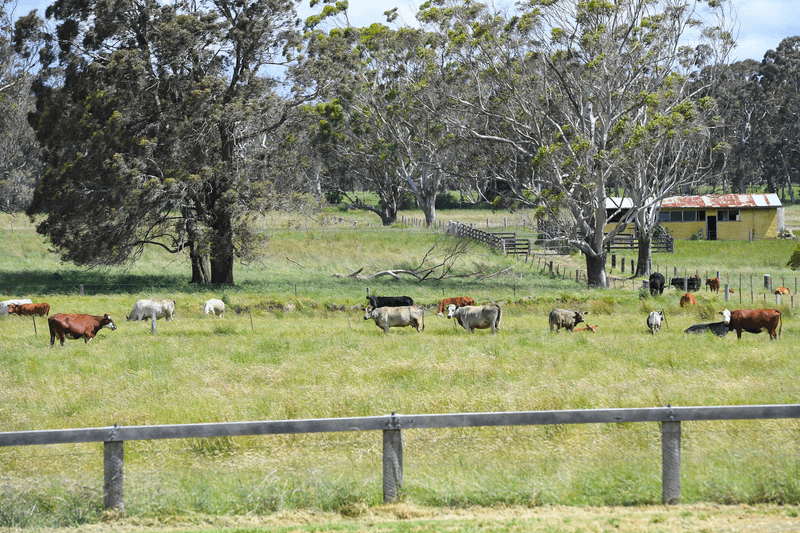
763, 24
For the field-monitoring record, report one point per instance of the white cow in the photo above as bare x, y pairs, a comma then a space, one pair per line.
654, 320
396, 317
214, 307
152, 309
472, 317
4, 305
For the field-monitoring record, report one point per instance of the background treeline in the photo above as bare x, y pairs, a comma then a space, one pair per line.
136, 124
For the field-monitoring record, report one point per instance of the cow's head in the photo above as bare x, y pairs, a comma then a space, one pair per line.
579, 315
368, 312
12, 308
726, 316
451, 310
108, 322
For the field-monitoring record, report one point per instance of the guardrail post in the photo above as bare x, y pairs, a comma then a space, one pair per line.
113, 475
392, 461
670, 462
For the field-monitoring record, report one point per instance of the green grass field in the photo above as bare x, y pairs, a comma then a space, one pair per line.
294, 345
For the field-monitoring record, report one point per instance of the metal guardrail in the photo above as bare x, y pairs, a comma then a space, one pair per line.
392, 426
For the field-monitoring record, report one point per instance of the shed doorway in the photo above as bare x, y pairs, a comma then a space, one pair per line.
711, 227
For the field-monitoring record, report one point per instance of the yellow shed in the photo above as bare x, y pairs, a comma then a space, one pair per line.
725, 217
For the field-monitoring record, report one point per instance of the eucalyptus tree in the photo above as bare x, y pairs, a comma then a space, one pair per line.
572, 86
20, 163
778, 150
384, 125
741, 108
148, 113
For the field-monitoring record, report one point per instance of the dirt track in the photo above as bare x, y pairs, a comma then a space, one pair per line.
402, 517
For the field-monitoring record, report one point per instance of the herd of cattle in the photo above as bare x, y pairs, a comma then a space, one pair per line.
400, 311
76, 326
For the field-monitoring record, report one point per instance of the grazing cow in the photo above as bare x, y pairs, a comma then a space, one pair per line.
713, 284
153, 309
588, 327
4, 304
472, 317
42, 309
687, 299
396, 317
389, 301
654, 320
64, 325
782, 290
214, 307
458, 301
692, 283
657, 283
566, 318
720, 329
753, 321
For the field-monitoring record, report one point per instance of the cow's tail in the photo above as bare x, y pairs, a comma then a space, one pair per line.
499, 316
780, 323
423, 318
50, 324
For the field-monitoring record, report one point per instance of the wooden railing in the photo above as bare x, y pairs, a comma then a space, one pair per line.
627, 241
392, 426
505, 242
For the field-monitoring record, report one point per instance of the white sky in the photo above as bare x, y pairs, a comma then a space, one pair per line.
762, 23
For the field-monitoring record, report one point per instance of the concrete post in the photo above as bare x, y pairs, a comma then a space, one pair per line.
670, 462
392, 464
113, 496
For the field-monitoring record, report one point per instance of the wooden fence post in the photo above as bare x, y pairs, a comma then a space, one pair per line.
113, 475
392, 463
670, 462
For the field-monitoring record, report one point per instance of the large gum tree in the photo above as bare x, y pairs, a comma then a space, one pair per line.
146, 112
579, 88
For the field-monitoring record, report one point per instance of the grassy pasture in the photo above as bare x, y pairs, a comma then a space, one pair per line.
294, 345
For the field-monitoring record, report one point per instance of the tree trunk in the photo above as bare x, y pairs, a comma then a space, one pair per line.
199, 260
200, 274
645, 259
596, 270
222, 251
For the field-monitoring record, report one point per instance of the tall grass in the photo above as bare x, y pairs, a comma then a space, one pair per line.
294, 345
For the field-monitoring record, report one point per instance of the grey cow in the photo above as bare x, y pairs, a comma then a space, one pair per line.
396, 317
654, 320
472, 317
566, 318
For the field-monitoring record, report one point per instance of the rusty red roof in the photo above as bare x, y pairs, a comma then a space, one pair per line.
722, 201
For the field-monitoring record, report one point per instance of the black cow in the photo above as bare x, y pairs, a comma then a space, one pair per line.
389, 301
657, 283
720, 329
693, 283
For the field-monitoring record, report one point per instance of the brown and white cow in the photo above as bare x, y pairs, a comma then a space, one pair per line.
566, 318
63, 325
753, 321
589, 327
458, 301
396, 317
713, 284
472, 317
42, 309
782, 290
687, 299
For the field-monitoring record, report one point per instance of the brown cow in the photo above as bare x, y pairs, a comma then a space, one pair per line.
42, 309
782, 290
458, 301
592, 328
77, 326
753, 321
687, 299
713, 284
